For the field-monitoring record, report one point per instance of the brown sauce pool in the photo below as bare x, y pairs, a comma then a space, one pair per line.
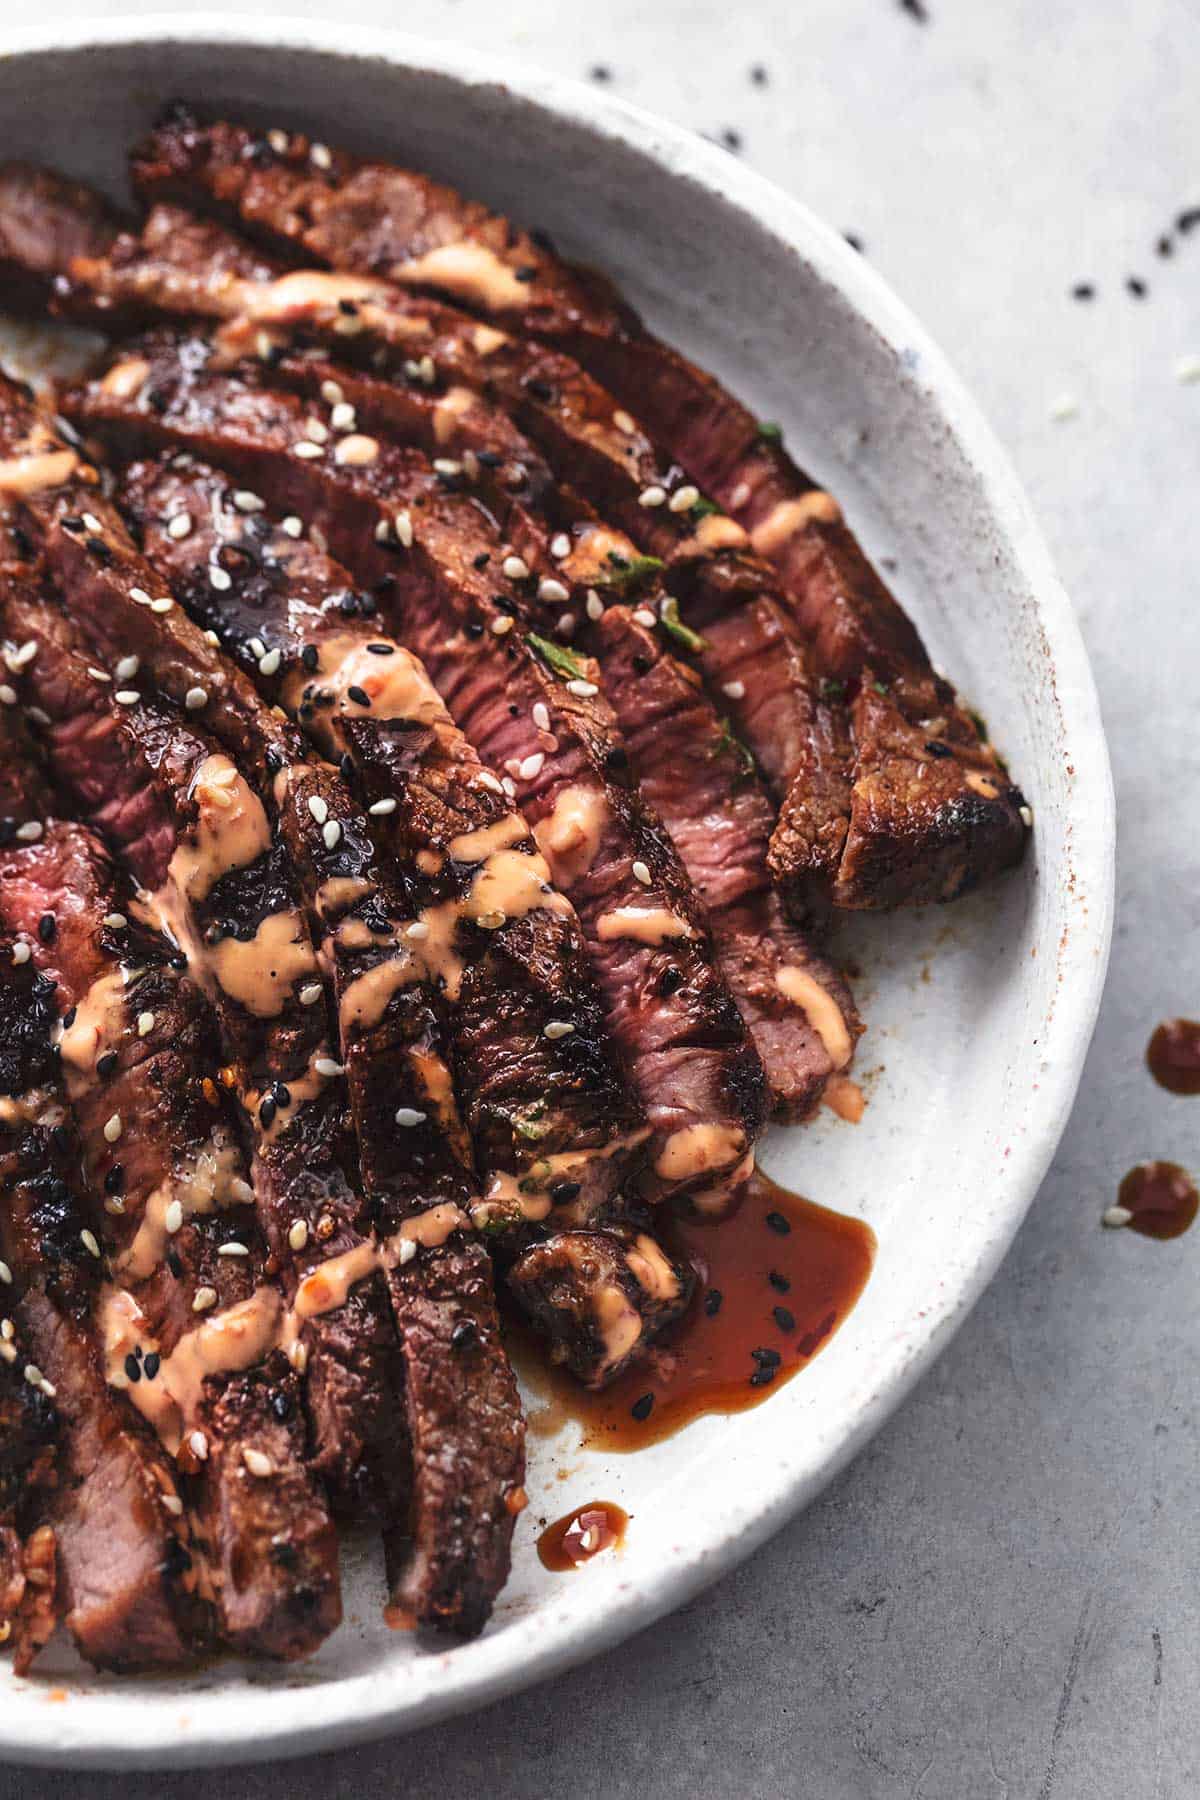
1161, 1199
775, 1282
1173, 1056
579, 1536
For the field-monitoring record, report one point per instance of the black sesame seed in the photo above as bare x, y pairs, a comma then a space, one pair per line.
348, 307
525, 274
358, 694
281, 1405
779, 1282
310, 656
778, 1223
151, 1365
854, 241
75, 523
936, 749
482, 560
133, 1367
563, 1191
541, 390
762, 1377
61, 1137
177, 1560
99, 550
69, 1017
1164, 247
1137, 287
670, 981
617, 758
106, 1065
642, 1407
785, 1320
490, 459
1083, 290
346, 766
731, 139
464, 1333
382, 649
915, 9
179, 962
712, 1302
175, 1264
47, 928
282, 1093
641, 664
758, 75
600, 72
114, 1181
1188, 219
474, 629
348, 606
766, 1357
267, 1111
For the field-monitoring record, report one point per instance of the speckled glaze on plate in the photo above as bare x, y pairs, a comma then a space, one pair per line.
979, 1015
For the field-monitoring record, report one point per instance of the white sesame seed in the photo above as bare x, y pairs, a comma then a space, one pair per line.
219, 578
33, 1375
549, 589
445, 465
310, 994
88, 1240
1115, 1217
145, 1024
179, 525
327, 1068
93, 524
557, 1028
652, 496
269, 664
241, 1190
331, 391
140, 595
164, 605
321, 157
112, 1128
264, 344
292, 525
641, 873
343, 416
7, 1328
173, 1217
173, 1504
347, 325
256, 647
115, 920
196, 698
127, 668
1064, 407
492, 921
502, 625
5, 1274
17, 659
408, 1116
315, 432
644, 616
736, 690
404, 529
247, 502
740, 496
127, 697
595, 605
531, 766
21, 954
332, 834
408, 1249
306, 449
566, 625
486, 779
37, 715
684, 498
583, 690
318, 807
205, 1298
30, 832
1187, 369
234, 1249
515, 567
198, 1445
356, 450
298, 1357
560, 546
416, 931
509, 786
8, 695
382, 808
541, 715
622, 421
278, 141
383, 531
99, 674
1027, 817
298, 1235
427, 371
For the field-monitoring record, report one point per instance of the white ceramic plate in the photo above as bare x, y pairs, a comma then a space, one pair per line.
970, 1072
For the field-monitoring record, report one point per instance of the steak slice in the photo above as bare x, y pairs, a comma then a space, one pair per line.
379, 220
138, 1044
454, 595
45, 222
126, 1578
703, 783
553, 1125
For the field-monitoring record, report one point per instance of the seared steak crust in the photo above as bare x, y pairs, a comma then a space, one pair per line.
691, 1064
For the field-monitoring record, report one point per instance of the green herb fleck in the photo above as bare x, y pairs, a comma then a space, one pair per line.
726, 743
564, 662
628, 572
881, 687
767, 428
832, 689
980, 724
703, 508
683, 634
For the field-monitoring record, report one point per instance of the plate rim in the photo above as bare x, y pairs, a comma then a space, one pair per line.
298, 1724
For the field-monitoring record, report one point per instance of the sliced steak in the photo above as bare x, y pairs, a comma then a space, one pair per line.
127, 1582
140, 1060
375, 219
553, 1126
455, 595
45, 222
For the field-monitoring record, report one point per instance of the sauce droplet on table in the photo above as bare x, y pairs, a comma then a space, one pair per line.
582, 1535
1173, 1056
1161, 1199
775, 1281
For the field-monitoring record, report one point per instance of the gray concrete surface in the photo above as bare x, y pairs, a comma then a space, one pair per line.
998, 1601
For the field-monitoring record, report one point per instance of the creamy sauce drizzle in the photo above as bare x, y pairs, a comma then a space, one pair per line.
33, 473
788, 517
646, 924
569, 836
696, 1149
469, 271
821, 1010
397, 685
